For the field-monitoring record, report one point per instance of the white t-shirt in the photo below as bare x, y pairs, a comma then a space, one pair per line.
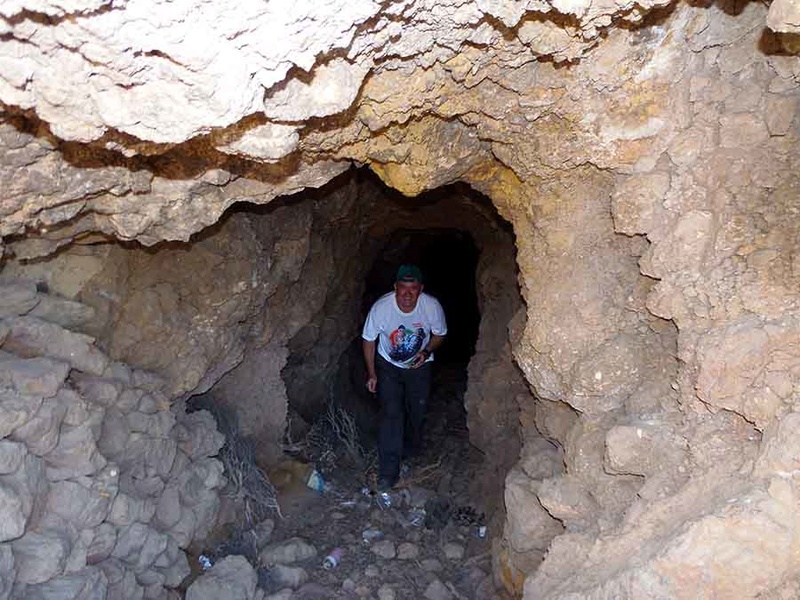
403, 335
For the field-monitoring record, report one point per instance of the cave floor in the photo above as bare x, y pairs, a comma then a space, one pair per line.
432, 542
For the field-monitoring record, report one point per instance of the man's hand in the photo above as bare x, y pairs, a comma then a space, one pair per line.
372, 384
419, 359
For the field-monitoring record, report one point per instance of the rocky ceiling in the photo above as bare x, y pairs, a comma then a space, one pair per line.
145, 120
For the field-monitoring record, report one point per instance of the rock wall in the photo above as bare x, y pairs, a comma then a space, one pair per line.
649, 171
104, 482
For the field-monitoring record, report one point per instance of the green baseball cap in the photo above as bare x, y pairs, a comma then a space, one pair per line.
409, 273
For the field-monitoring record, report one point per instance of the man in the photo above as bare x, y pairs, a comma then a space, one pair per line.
406, 326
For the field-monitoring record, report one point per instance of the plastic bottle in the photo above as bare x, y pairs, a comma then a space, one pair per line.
333, 559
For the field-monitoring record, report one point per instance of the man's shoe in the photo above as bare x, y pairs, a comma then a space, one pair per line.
384, 485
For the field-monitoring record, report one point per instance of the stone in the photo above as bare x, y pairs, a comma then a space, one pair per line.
197, 435
13, 516
7, 573
432, 565
384, 548
103, 541
568, 500
158, 425
114, 434
16, 410
124, 585
407, 551
40, 433
128, 510
148, 456
76, 452
643, 448
263, 532
17, 298
84, 502
436, 590
11, 456
39, 557
386, 592
372, 571
20, 492
63, 312
139, 546
34, 376
453, 551
33, 337
287, 552
287, 576
88, 584
97, 390
529, 524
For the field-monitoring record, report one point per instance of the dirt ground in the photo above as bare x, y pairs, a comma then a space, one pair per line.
432, 541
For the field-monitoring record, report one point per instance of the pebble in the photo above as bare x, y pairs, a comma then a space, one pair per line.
338, 516
372, 571
407, 551
414, 536
348, 585
384, 549
437, 591
432, 565
453, 551
286, 576
385, 592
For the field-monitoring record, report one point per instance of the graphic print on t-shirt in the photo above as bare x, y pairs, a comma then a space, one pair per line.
405, 342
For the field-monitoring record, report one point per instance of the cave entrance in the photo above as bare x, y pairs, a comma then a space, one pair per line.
467, 255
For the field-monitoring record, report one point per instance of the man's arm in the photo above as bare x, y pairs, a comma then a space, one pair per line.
430, 347
369, 359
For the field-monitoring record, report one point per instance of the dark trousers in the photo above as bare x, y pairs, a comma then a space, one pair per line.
403, 394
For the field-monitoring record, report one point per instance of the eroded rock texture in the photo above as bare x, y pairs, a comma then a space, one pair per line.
647, 160
103, 481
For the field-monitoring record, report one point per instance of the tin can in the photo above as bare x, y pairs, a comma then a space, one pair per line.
333, 559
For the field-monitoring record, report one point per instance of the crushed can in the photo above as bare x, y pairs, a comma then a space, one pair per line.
205, 562
333, 559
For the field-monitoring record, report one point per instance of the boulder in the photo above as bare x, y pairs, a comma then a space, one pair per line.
85, 502
38, 376
40, 434
30, 336
40, 556
287, 576
20, 492
7, 572
287, 552
11, 456
232, 578
88, 584
197, 435
17, 297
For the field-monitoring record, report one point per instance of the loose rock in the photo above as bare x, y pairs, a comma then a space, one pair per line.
287, 552
437, 591
231, 578
384, 549
407, 551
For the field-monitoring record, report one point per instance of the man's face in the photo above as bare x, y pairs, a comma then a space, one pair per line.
407, 293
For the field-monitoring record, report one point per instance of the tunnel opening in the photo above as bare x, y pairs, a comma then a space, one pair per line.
466, 253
